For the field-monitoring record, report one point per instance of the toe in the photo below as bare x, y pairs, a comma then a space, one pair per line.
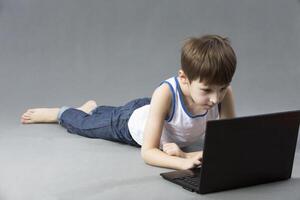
26, 121
25, 117
27, 114
23, 121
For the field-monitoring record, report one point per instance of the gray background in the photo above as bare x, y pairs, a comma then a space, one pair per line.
64, 52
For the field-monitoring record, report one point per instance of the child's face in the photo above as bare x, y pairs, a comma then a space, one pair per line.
205, 95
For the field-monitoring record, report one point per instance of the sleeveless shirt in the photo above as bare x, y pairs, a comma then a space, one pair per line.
180, 127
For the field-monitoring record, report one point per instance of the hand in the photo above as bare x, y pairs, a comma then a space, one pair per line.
172, 149
192, 162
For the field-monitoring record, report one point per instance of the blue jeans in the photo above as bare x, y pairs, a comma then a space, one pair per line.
105, 122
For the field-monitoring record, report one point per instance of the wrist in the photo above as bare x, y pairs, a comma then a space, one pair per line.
183, 155
192, 154
181, 164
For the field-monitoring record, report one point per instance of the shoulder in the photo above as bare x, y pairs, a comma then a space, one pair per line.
161, 99
163, 89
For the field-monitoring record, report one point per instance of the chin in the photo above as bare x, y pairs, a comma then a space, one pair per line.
206, 107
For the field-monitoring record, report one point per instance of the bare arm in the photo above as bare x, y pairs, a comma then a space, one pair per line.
227, 105
193, 154
173, 149
152, 155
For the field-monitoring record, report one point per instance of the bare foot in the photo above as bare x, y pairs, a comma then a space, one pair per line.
88, 106
49, 115
40, 115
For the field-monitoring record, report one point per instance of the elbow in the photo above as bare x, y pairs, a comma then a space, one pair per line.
144, 154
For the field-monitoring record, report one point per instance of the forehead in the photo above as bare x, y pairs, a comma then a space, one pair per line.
203, 84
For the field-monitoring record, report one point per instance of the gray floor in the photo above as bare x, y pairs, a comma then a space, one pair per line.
64, 52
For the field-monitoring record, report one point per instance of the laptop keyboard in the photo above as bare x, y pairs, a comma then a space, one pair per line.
190, 180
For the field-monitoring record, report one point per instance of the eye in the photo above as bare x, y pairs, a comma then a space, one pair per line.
206, 90
224, 88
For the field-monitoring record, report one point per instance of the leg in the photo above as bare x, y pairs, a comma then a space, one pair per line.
106, 122
49, 115
97, 125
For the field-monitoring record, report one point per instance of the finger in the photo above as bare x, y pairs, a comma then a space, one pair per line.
170, 144
170, 151
174, 144
167, 151
197, 162
170, 148
167, 145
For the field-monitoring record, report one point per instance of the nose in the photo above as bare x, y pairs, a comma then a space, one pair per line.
214, 98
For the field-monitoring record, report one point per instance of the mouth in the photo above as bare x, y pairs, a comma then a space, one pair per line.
208, 106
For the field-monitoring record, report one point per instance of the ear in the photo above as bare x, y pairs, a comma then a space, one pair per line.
183, 78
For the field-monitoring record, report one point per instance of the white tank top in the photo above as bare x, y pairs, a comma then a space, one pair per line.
181, 127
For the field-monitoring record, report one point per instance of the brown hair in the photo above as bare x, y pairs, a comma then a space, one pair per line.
210, 58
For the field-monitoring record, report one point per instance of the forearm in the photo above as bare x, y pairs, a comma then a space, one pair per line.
192, 154
158, 158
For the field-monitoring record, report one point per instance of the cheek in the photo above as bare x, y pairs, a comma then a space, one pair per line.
200, 98
222, 96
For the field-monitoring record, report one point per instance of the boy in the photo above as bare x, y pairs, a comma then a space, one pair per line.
174, 117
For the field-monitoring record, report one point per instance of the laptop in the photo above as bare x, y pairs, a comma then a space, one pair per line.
243, 151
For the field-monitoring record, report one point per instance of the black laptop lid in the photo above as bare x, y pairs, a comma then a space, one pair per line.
258, 149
